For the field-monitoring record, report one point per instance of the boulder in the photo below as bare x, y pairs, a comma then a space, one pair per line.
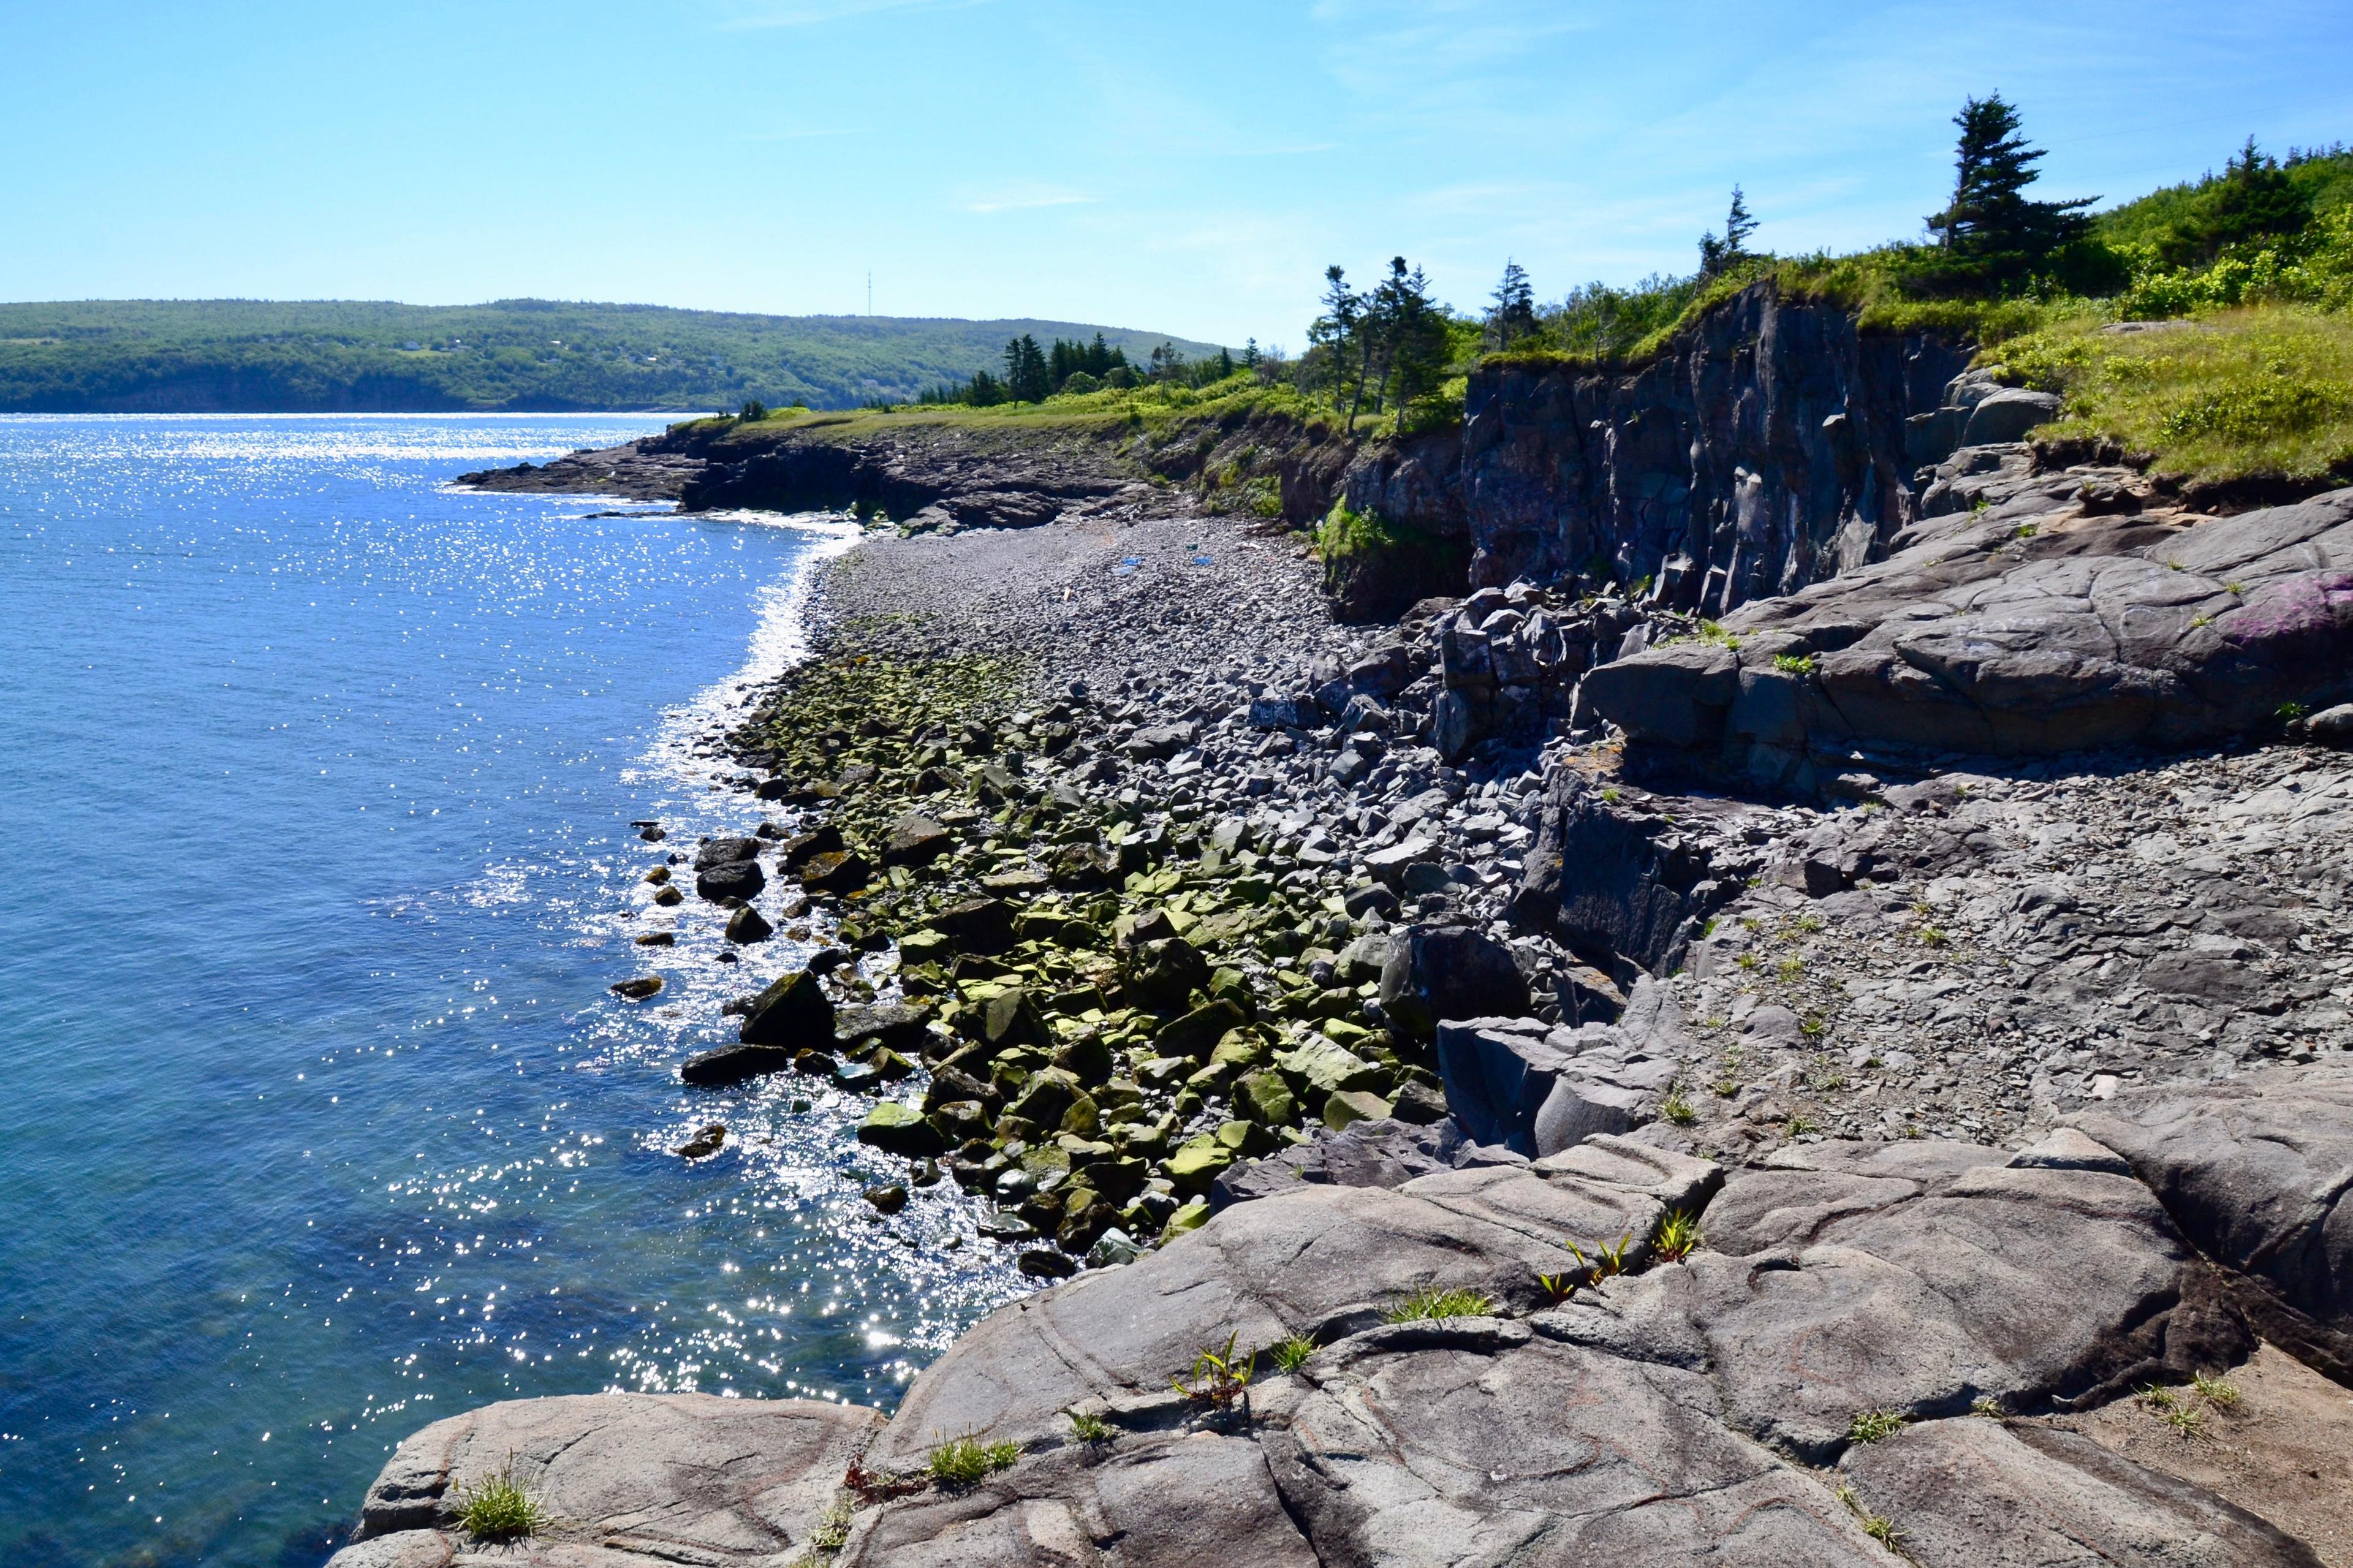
748, 925
902, 1026
1972, 1492
835, 871
731, 879
625, 1478
2007, 414
978, 925
916, 840
1165, 973
1447, 972
727, 852
792, 1012
897, 1128
798, 850
639, 988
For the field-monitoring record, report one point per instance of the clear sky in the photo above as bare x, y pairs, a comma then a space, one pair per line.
1186, 168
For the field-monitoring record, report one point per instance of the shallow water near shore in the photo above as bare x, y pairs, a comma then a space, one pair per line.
319, 1122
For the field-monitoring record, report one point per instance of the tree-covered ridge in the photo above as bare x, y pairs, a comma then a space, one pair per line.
247, 356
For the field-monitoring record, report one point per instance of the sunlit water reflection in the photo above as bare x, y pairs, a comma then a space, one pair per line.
318, 1120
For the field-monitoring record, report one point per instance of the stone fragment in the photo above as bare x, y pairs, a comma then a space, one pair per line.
916, 840
898, 1129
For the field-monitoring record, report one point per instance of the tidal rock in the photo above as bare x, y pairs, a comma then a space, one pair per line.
727, 852
638, 989
793, 1011
836, 871
625, 1478
897, 1128
703, 1144
1972, 1492
1509, 1449
2090, 1291
731, 879
747, 925
1163, 1502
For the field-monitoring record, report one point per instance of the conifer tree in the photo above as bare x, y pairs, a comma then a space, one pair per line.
1991, 227
1514, 313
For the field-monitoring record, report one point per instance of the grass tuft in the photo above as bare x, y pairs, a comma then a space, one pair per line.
499, 1508
1678, 1237
1431, 1303
1870, 1425
966, 1460
1086, 1426
1289, 1355
2216, 1390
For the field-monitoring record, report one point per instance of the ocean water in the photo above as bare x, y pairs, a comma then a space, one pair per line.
317, 1119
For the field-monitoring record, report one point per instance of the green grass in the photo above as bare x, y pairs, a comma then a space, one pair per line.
1870, 1425
499, 1508
2215, 1390
1086, 1426
2262, 390
1679, 1236
966, 1460
1678, 1110
1430, 1304
1289, 1355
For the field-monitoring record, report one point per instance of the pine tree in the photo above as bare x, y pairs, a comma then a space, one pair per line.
1514, 313
1737, 226
1990, 226
1340, 330
1026, 372
1250, 355
1412, 331
2254, 199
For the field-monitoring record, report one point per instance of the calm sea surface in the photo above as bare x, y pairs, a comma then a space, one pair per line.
317, 1122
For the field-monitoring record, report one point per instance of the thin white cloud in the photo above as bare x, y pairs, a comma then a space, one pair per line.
1025, 197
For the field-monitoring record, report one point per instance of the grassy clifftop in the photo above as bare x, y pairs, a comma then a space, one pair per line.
262, 356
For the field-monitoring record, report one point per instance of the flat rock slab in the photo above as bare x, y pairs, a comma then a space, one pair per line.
1970, 1492
625, 1478
2255, 1171
1489, 1447
1171, 1502
2022, 1286
1320, 1261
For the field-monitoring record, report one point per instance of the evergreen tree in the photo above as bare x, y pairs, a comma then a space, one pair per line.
985, 390
1412, 331
1513, 315
2254, 199
1716, 254
1250, 355
1225, 365
1991, 227
1342, 331
1026, 375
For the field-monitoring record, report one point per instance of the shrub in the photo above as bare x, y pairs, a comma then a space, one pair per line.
1794, 663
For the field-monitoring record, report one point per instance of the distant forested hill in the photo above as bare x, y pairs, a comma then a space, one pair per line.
258, 356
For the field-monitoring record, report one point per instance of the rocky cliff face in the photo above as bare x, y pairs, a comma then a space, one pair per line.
1772, 447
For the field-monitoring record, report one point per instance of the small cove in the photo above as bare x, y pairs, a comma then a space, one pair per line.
320, 1120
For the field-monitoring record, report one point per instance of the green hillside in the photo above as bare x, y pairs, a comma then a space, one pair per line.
263, 356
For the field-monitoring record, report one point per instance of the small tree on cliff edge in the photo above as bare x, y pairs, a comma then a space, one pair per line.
1990, 230
1514, 313
1716, 254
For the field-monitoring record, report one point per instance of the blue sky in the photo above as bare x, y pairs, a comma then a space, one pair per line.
1181, 168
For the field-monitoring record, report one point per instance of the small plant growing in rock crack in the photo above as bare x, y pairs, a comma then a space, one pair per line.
1814, 1027
1879, 1529
1987, 1406
1870, 1425
2027, 530
1606, 1260
1790, 967
1923, 908
831, 1534
1800, 1126
1676, 1109
1431, 1303
2153, 1397
1086, 1426
2234, 588
1810, 922
498, 1507
1678, 1237
1220, 1377
1289, 1355
2199, 623
1935, 936
1557, 1287
2289, 713
1747, 960
2188, 1421
2215, 1390
1610, 794
966, 1460
1822, 1078
1794, 663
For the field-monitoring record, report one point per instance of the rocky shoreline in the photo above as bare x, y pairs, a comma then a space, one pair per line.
1551, 1075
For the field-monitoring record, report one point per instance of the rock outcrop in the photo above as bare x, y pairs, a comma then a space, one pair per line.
1854, 1345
